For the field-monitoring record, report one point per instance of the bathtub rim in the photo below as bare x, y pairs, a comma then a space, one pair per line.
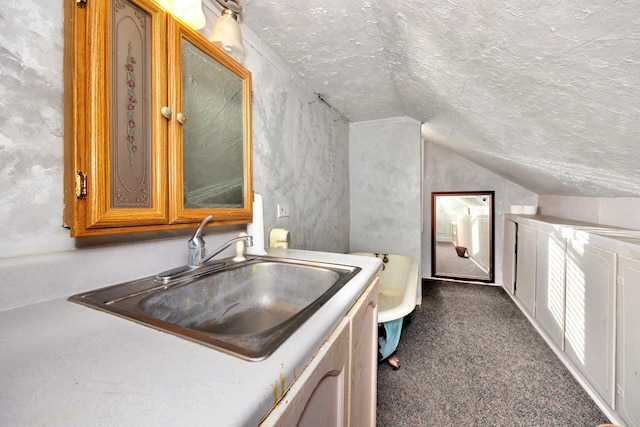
409, 299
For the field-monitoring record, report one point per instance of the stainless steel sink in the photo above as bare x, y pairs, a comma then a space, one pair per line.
246, 309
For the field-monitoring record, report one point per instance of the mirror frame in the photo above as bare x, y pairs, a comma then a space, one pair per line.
490, 277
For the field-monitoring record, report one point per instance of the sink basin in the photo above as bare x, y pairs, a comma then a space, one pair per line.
246, 309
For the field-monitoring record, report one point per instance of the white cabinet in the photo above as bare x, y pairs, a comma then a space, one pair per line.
589, 320
317, 397
550, 286
628, 350
338, 386
584, 301
526, 267
509, 257
364, 358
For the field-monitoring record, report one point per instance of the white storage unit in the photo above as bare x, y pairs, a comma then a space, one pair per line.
526, 267
628, 350
584, 301
589, 323
509, 257
550, 279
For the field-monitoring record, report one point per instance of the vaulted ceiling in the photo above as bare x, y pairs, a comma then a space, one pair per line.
544, 93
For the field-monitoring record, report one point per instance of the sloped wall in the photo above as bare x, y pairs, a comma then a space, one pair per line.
614, 211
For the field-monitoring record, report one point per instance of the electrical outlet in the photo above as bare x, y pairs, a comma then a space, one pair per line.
283, 210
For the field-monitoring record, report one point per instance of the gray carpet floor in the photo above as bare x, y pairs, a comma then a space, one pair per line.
469, 357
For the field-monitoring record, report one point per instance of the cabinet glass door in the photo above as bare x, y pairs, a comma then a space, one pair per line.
115, 137
212, 137
210, 144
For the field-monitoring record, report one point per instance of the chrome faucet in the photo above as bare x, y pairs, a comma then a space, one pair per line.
196, 245
197, 258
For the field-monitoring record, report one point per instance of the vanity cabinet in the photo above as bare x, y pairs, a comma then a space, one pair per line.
319, 392
338, 386
526, 267
157, 123
364, 358
628, 349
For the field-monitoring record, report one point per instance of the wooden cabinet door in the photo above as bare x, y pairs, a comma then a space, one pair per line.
364, 358
209, 132
550, 287
526, 267
589, 321
115, 135
628, 350
318, 397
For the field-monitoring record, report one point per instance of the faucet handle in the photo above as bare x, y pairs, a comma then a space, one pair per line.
197, 241
196, 244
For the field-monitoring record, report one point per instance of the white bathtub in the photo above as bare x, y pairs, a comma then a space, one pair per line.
397, 287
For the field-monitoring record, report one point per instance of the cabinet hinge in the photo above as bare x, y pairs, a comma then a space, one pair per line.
81, 185
81, 3
619, 281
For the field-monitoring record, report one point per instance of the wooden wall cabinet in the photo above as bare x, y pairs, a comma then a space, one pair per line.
157, 123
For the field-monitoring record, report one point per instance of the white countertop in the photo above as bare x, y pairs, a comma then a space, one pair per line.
66, 364
622, 241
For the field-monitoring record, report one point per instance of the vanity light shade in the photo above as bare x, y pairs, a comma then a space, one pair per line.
189, 12
166, 4
226, 35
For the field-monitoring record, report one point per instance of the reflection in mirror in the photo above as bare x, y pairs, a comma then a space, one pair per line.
213, 134
462, 235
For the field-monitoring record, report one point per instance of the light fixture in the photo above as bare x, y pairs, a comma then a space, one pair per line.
226, 31
188, 11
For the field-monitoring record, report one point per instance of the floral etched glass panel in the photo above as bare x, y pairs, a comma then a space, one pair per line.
130, 95
213, 135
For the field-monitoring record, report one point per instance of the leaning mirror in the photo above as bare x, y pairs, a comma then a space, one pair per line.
462, 235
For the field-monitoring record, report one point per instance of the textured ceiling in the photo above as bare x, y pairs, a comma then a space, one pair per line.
544, 93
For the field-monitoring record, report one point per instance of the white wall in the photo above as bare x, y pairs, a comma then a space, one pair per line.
620, 212
384, 170
300, 158
448, 171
